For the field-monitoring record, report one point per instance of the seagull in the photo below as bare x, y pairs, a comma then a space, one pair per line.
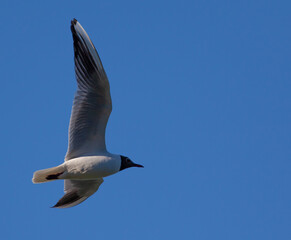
87, 160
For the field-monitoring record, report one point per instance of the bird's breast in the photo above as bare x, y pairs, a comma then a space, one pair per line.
92, 167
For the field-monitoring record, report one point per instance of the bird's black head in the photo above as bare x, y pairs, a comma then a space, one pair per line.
127, 163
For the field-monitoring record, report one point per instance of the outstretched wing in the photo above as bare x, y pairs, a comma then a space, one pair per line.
77, 191
92, 104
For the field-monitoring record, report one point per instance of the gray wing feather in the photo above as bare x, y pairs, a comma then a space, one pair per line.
77, 191
92, 103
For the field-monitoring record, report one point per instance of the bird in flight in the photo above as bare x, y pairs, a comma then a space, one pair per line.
87, 160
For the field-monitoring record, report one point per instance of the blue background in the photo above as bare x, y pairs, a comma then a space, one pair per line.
201, 98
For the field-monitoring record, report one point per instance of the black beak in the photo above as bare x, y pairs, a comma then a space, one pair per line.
137, 165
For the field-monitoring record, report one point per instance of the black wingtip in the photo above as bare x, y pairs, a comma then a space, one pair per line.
67, 199
73, 24
74, 21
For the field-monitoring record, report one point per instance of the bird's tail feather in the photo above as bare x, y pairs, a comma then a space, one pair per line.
48, 174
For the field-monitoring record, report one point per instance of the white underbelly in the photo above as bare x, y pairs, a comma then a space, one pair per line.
91, 167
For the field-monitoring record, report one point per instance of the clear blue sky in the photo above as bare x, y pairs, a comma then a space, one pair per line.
201, 97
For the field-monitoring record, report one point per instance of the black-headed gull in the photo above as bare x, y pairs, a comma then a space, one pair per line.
87, 161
